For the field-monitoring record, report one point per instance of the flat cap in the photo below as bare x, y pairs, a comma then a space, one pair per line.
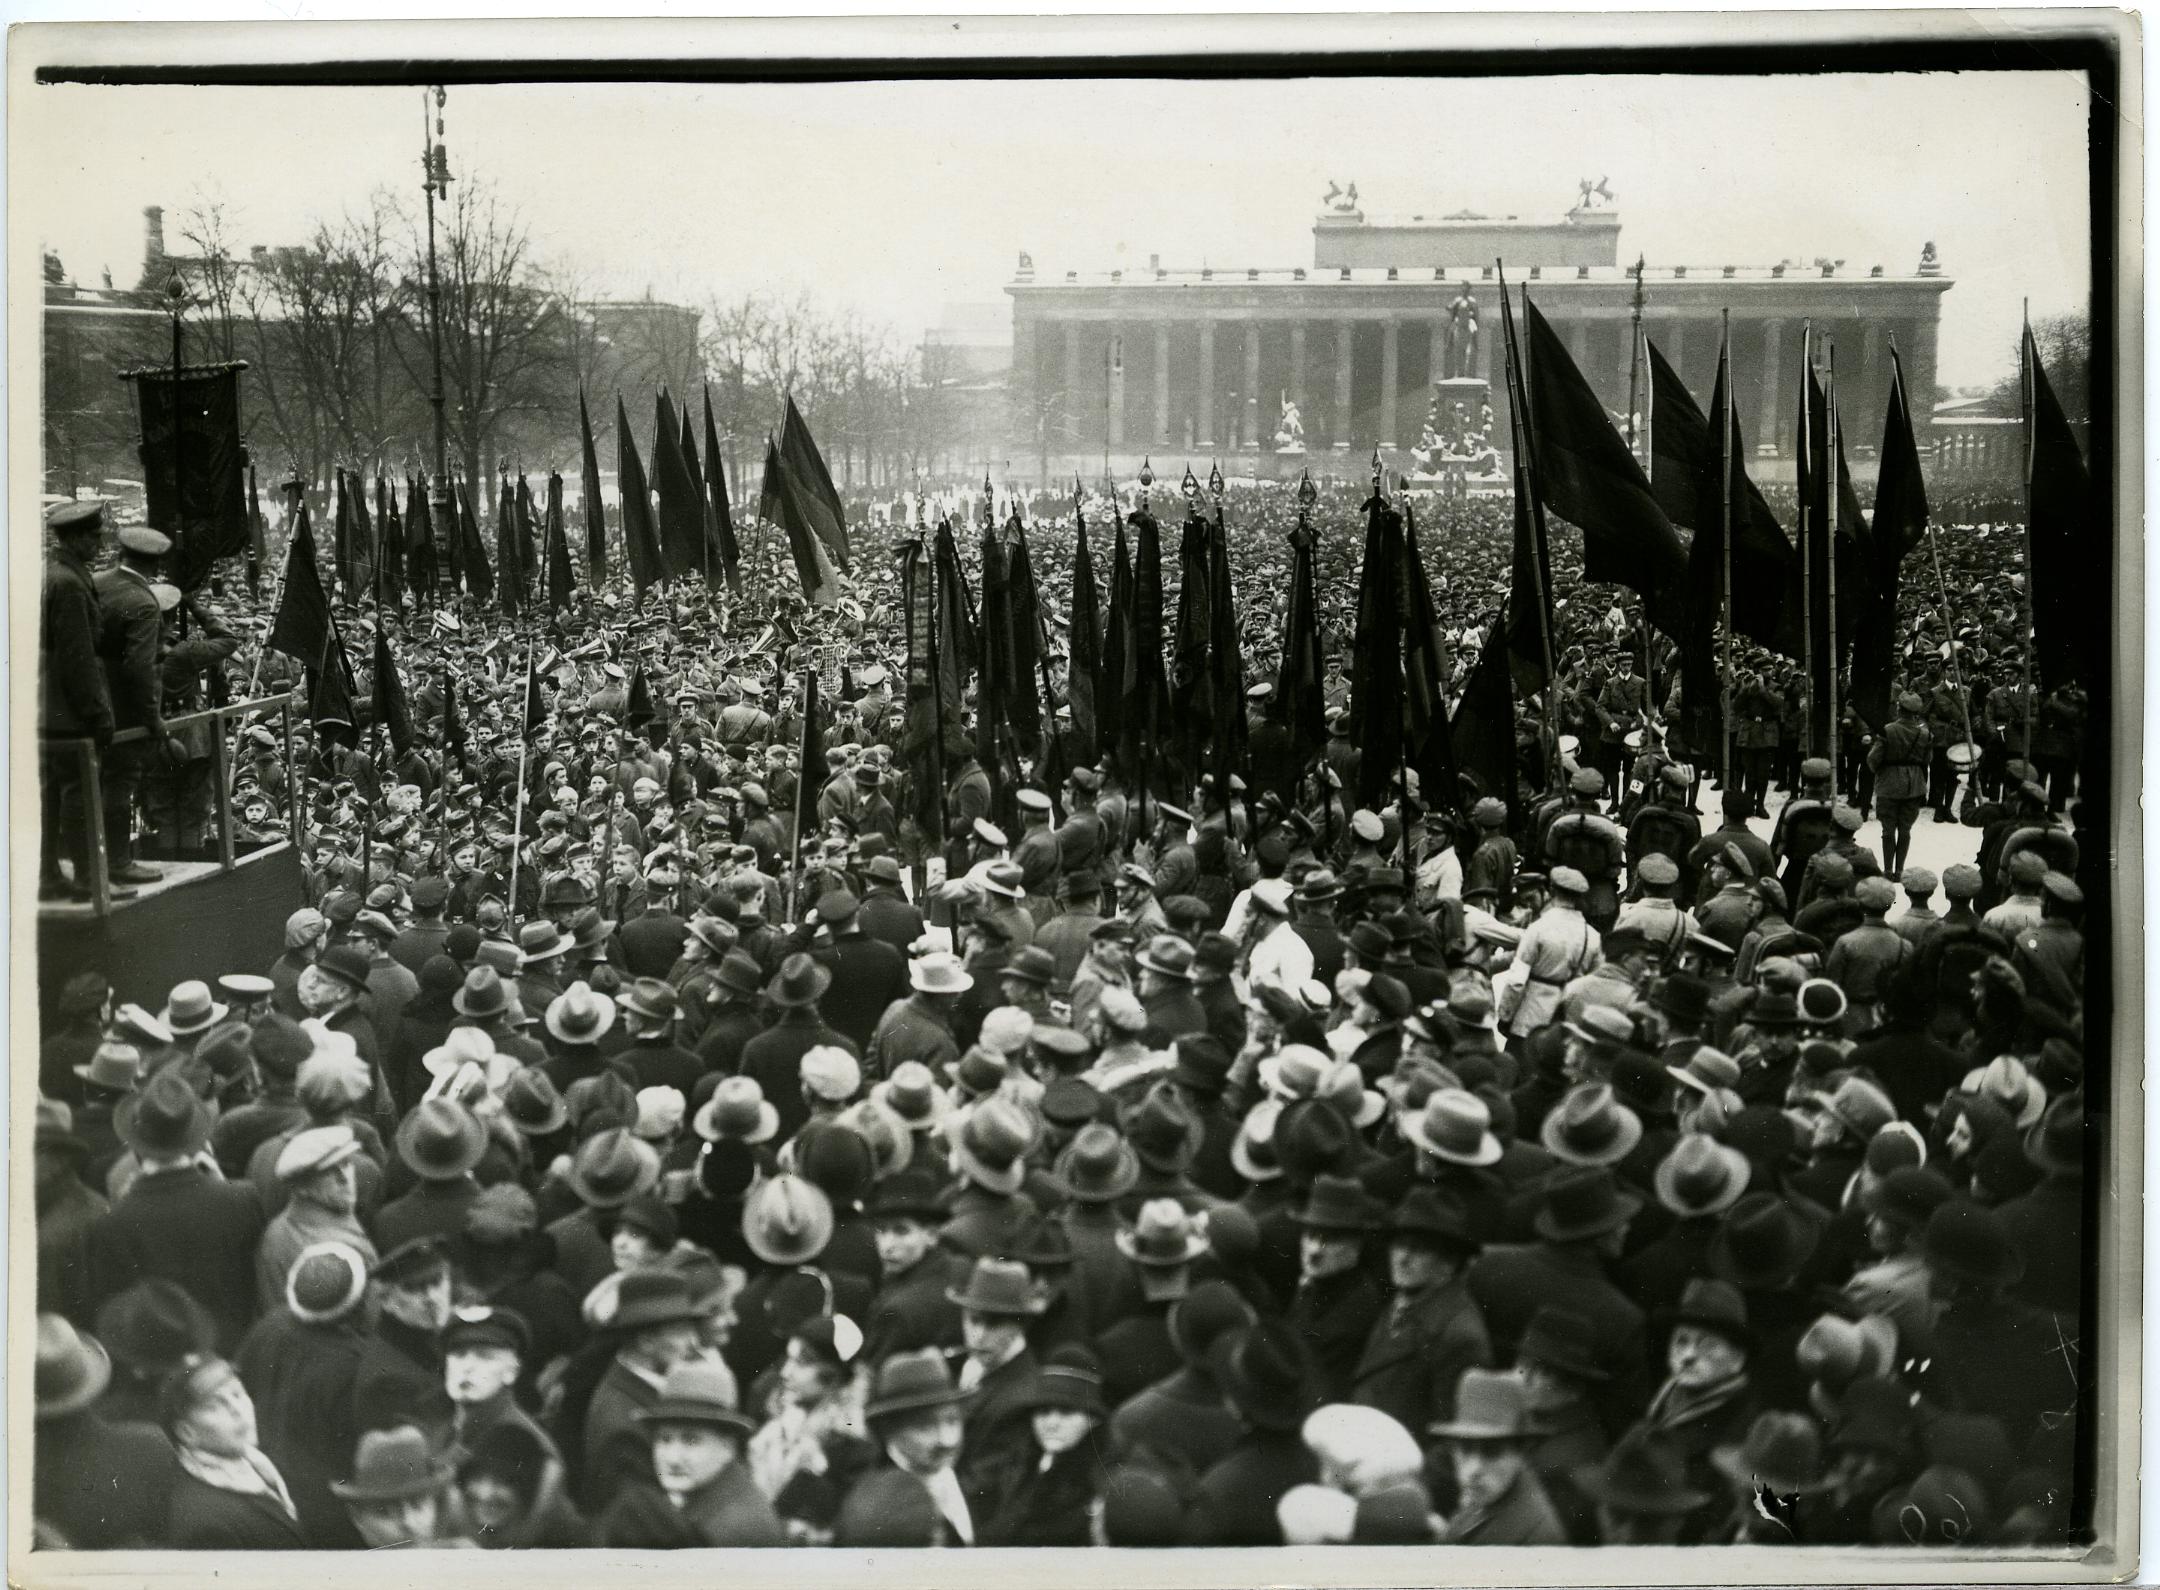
145, 542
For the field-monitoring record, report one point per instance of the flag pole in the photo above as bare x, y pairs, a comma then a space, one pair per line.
1957, 674
1526, 481
1807, 564
2028, 387
1725, 463
1832, 443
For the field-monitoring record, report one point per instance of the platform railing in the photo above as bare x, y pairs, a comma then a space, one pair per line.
219, 720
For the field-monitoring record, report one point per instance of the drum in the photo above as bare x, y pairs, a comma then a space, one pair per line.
1964, 756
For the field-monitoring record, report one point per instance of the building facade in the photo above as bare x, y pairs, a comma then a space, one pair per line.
1204, 361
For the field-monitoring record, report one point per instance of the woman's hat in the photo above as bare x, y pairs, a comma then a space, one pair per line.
190, 1009
738, 1109
72, 1369
1561, 1339
612, 1167
1163, 1234
1591, 1127
1098, 1166
1967, 1240
800, 982
167, 1119
1490, 1405
698, 1391
441, 1140
1070, 1378
1455, 1125
1584, 1202
1643, 1474
1001, 1287
907, 1382
578, 1015
787, 1220
394, 1466
1701, 1176
326, 1282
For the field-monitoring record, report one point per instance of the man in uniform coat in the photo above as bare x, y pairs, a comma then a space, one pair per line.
966, 799
1431, 1331
75, 700
131, 625
1900, 760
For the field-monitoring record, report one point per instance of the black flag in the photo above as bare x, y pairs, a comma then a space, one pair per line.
191, 456
560, 579
391, 710
1376, 690
2069, 638
820, 499
302, 626
1899, 523
592, 508
1083, 671
641, 543
720, 525
682, 514
479, 578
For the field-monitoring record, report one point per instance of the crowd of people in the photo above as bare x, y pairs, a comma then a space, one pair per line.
636, 1146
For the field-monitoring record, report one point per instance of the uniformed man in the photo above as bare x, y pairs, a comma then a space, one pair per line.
1038, 856
1805, 824
132, 624
74, 697
1758, 709
1591, 843
2009, 708
1900, 760
181, 805
1623, 705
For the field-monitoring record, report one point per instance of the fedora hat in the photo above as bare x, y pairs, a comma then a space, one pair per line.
482, 994
1034, 964
112, 1067
1252, 1151
1683, 996
1163, 1234
541, 941
579, 1016
1455, 1125
1700, 1176
190, 1009
646, 1298
908, 1382
737, 1109
1602, 1025
939, 973
990, 1144
800, 981
1263, 1373
72, 1369
1715, 1305
1342, 1087
1206, 1314
912, 1094
698, 1391
531, 1104
1707, 1070
1643, 1474
154, 1325
1490, 1405
1773, 1008
787, 1219
1428, 1214
2056, 1142
1782, 1452
1338, 1203
1002, 878
738, 973
1591, 1127
348, 963
1584, 1201
441, 1140
999, 1286
589, 929
56, 1128
1967, 1240
1835, 1351
718, 936
167, 1119
1163, 1132
652, 999
916, 1194
1763, 1243
612, 1167
1098, 1166
1561, 1339
1167, 955
1294, 1072
394, 1466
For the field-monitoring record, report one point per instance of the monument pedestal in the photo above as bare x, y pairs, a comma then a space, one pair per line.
1283, 463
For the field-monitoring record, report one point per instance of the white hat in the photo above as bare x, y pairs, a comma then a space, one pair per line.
660, 1112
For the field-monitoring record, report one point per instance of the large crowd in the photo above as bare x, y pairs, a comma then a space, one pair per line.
645, 1141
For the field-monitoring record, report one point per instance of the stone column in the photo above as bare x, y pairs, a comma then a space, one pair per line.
1075, 406
1252, 384
1390, 378
1297, 366
1026, 372
1344, 341
1209, 397
1773, 379
1162, 383
1436, 360
1874, 379
1117, 361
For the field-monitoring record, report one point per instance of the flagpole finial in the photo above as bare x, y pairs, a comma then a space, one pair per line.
1307, 493
1215, 481
1190, 485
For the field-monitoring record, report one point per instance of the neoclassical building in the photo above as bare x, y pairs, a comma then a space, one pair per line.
1200, 362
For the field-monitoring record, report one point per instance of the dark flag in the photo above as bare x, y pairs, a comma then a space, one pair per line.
331, 692
560, 579
256, 550
1147, 687
682, 515
1024, 644
1482, 731
783, 501
924, 735
531, 570
994, 655
1376, 687
820, 504
726, 559
191, 457
419, 540
708, 565
341, 540
479, 577
301, 628
1083, 669
393, 542
453, 732
1117, 648
1531, 622
1192, 723
1824, 480
1300, 693
363, 540
592, 508
1687, 472
1587, 476
391, 709
956, 636
2069, 634
535, 715
1899, 523
810, 769
1425, 670
1226, 666
509, 563
638, 703
641, 542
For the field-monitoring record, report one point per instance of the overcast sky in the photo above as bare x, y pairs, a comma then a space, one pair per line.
902, 197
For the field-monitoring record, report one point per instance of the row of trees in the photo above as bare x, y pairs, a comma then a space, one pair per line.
336, 334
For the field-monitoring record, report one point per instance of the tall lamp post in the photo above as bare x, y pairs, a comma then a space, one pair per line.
435, 182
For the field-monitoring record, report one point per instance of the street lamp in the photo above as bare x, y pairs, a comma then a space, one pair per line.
435, 179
